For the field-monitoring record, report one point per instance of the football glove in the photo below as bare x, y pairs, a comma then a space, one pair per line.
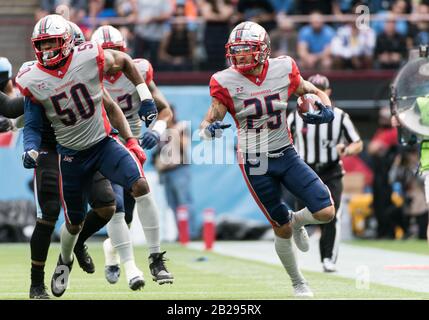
29, 159
215, 129
324, 115
5, 124
148, 111
133, 145
150, 139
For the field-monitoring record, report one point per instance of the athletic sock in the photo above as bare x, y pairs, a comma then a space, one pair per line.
287, 256
303, 217
111, 257
68, 242
93, 223
37, 275
121, 241
149, 219
39, 246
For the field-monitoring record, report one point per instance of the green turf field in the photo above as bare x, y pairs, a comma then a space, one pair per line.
410, 246
216, 277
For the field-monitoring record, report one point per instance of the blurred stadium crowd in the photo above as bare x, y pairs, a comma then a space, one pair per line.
191, 34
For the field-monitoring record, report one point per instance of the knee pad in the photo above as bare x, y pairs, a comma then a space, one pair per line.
50, 210
48, 194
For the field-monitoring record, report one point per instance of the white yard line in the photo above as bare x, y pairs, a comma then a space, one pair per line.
365, 265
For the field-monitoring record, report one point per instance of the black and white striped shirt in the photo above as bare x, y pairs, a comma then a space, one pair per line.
316, 143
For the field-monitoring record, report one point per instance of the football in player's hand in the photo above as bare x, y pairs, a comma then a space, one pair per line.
306, 103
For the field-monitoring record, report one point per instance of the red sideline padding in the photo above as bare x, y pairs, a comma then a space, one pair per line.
183, 224
209, 228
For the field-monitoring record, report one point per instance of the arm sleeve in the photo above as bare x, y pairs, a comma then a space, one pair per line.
33, 125
11, 107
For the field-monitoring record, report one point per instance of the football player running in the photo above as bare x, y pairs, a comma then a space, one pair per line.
118, 248
46, 192
66, 86
255, 91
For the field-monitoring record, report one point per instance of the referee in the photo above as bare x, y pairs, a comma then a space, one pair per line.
321, 147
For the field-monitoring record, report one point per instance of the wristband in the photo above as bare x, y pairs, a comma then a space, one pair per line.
143, 91
160, 126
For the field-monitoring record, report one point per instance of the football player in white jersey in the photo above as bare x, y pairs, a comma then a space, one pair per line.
66, 86
255, 91
46, 191
118, 248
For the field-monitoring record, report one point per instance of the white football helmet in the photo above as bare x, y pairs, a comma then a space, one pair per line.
248, 38
109, 38
52, 27
78, 37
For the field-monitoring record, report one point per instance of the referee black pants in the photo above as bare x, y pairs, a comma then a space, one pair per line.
329, 239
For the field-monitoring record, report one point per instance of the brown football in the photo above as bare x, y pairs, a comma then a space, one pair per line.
306, 103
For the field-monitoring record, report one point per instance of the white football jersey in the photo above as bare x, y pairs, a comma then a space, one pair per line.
258, 104
124, 92
71, 96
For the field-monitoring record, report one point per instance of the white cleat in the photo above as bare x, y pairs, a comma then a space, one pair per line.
302, 290
329, 265
136, 283
300, 236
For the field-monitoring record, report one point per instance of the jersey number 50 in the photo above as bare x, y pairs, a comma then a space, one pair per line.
68, 116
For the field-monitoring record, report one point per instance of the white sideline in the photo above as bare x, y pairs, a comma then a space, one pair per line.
365, 265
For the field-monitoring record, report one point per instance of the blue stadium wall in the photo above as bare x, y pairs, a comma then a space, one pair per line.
218, 186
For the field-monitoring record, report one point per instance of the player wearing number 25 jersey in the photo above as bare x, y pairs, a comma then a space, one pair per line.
66, 85
255, 91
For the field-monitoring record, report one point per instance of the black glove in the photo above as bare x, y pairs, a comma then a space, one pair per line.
215, 129
29, 159
148, 111
150, 139
5, 124
324, 115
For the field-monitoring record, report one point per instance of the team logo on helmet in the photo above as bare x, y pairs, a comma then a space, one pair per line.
248, 46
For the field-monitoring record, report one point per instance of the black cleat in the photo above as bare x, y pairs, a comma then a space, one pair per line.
158, 270
112, 273
136, 283
39, 292
60, 278
83, 258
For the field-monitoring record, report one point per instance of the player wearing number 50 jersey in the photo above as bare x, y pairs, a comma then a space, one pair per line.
46, 191
255, 91
118, 245
66, 85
